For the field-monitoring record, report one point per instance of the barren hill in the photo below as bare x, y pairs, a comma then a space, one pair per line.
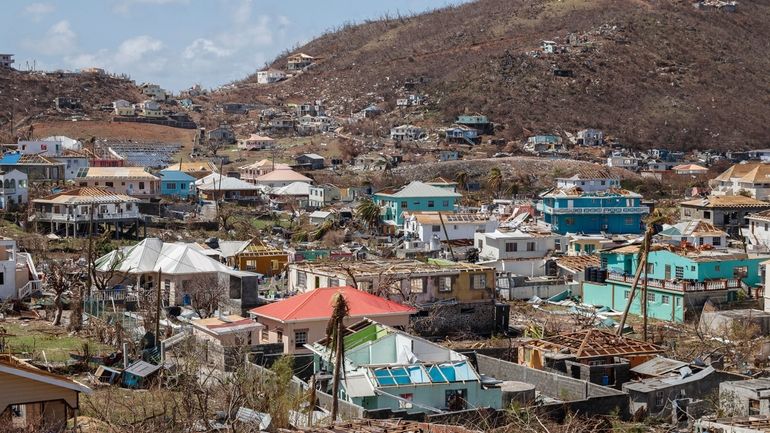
648, 72
28, 97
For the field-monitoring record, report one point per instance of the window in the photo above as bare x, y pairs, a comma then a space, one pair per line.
660, 398
171, 185
417, 285
530, 246
679, 272
626, 294
141, 185
651, 297
665, 299
478, 281
569, 221
334, 282
109, 184
279, 334
444, 284
753, 407
740, 271
436, 228
511, 247
480, 244
300, 338
717, 268
403, 205
406, 401
707, 214
455, 399
700, 241
677, 302
265, 334
716, 241
445, 203
301, 280
650, 268
2, 277
431, 203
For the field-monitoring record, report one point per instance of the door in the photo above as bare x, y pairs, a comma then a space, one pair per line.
668, 272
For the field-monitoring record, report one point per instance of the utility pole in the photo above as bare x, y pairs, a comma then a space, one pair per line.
218, 191
90, 247
157, 310
449, 244
644, 300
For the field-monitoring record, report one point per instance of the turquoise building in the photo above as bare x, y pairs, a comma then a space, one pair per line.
591, 203
678, 282
176, 183
416, 196
389, 369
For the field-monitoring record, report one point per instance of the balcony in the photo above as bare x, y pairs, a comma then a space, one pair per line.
58, 217
679, 285
596, 210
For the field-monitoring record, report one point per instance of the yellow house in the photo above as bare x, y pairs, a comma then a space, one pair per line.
261, 258
36, 400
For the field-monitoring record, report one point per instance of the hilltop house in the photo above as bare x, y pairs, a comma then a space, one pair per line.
6, 60
256, 142
425, 225
218, 187
69, 213
281, 177
757, 234
196, 169
751, 178
148, 108
121, 107
518, 252
310, 161
37, 400
407, 133
477, 122
18, 276
323, 195
679, 281
222, 135
589, 204
292, 196
726, 212
689, 170
545, 144
302, 318
590, 137
133, 181
299, 61
416, 196
73, 161
178, 184
618, 160
38, 168
385, 368
269, 76
461, 134
154, 91
14, 189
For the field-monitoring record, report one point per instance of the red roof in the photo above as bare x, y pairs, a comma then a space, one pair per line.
317, 304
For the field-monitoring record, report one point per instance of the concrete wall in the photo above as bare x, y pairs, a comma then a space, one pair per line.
481, 318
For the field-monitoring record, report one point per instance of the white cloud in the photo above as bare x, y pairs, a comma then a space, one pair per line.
58, 39
37, 10
124, 6
134, 49
203, 47
140, 54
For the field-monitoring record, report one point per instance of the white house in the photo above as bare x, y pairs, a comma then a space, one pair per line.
73, 161
256, 142
459, 226
121, 107
590, 137
15, 190
751, 178
518, 252
269, 76
323, 195
149, 108
589, 180
18, 276
154, 91
407, 133
279, 178
623, 161
39, 147
757, 234
696, 233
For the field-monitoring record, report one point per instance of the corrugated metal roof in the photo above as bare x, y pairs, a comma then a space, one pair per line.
658, 366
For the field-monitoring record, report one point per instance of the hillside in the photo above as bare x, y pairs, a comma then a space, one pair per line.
29, 97
649, 73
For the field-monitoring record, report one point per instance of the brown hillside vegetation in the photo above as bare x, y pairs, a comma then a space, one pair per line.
29, 96
118, 131
650, 73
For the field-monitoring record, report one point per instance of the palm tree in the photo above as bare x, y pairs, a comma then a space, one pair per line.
495, 180
368, 213
335, 339
324, 228
653, 220
513, 189
462, 179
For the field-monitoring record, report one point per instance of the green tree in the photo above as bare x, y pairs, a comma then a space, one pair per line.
368, 214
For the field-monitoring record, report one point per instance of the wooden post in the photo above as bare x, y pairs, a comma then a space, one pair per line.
638, 274
157, 310
446, 235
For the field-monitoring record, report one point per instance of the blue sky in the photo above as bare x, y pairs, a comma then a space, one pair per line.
176, 43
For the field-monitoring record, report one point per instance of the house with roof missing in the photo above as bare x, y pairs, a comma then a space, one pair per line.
425, 225
750, 178
69, 213
37, 167
478, 122
132, 181
299, 61
269, 76
590, 137
196, 169
696, 233
36, 400
679, 280
747, 397
14, 189
302, 319
521, 251
594, 355
257, 257
757, 233
218, 187
178, 184
386, 368
415, 196
183, 267
407, 133
727, 212
221, 337
310, 161
592, 203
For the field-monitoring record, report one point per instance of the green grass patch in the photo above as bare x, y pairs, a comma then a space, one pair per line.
31, 339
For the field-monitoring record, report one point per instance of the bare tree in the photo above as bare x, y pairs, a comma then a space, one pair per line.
63, 277
206, 293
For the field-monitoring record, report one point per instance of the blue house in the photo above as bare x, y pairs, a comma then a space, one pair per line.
461, 134
416, 196
176, 183
480, 123
591, 203
679, 281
